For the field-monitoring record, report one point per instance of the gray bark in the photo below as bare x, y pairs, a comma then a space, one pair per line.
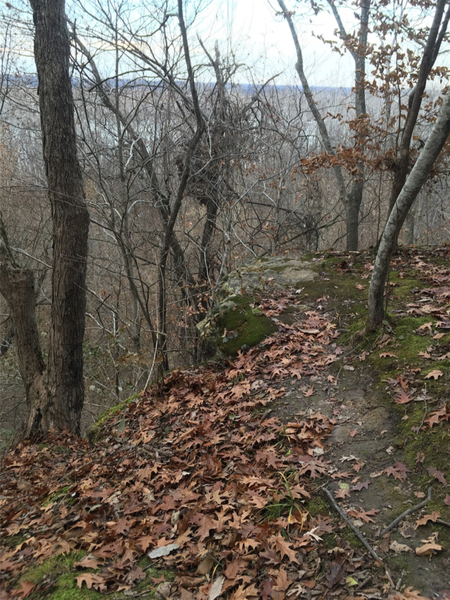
408, 194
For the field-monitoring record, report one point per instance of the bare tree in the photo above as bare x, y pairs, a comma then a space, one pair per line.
55, 391
431, 50
405, 199
352, 197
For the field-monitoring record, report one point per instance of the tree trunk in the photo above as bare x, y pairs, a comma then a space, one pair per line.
353, 206
433, 44
411, 189
169, 229
17, 287
65, 397
352, 200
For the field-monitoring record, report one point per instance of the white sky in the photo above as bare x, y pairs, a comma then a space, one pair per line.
263, 39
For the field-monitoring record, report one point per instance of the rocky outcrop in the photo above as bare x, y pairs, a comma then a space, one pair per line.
236, 322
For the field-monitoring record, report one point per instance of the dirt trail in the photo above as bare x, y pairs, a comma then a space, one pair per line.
363, 443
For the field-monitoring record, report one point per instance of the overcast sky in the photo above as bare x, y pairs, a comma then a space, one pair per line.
263, 39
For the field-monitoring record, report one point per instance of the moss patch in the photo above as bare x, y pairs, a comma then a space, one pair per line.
59, 495
94, 432
242, 326
55, 579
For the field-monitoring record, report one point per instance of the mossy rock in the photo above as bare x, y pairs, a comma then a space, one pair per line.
267, 274
236, 322
242, 326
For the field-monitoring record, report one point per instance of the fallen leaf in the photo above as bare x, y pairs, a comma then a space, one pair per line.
438, 336
428, 549
284, 547
188, 582
185, 594
92, 580
426, 518
341, 494
216, 588
361, 486
163, 551
205, 566
235, 567
26, 587
398, 471
408, 594
364, 515
399, 548
242, 593
435, 374
420, 457
336, 572
402, 398
439, 475
425, 326
89, 562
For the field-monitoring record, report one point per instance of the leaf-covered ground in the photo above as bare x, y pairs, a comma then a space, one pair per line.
224, 479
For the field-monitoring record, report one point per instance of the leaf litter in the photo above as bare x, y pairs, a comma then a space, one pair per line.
199, 476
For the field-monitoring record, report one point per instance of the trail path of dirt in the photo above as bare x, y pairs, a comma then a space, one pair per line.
364, 443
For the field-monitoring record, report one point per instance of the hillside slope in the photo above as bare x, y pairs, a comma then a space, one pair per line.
276, 474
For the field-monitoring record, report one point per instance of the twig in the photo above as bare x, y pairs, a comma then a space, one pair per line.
358, 534
396, 521
441, 522
389, 578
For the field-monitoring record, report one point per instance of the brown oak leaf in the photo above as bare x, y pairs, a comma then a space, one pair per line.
439, 475
424, 520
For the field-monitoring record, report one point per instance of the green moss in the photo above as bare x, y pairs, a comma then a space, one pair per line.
59, 495
55, 579
240, 326
61, 450
13, 540
317, 506
94, 432
403, 286
351, 538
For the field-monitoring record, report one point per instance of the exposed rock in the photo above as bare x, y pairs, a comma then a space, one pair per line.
236, 322
267, 273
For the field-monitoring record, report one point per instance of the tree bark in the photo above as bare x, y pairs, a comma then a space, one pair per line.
64, 402
408, 194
